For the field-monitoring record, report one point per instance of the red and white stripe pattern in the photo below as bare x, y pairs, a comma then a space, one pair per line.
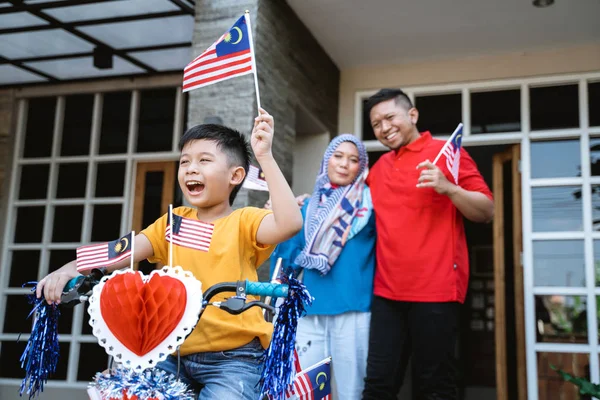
208, 68
100, 255
301, 389
255, 179
190, 233
228, 57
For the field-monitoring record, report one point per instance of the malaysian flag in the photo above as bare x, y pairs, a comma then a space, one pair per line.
255, 179
451, 151
313, 383
189, 233
228, 57
104, 254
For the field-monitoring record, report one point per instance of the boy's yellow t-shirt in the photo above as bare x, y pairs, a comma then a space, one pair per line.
233, 255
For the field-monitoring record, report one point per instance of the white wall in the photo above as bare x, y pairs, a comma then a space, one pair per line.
574, 59
308, 153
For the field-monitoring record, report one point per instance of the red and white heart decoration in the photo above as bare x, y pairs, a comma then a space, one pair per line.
141, 319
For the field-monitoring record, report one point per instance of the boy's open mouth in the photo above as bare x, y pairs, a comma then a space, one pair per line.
194, 187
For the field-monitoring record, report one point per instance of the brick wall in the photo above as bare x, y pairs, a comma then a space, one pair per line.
293, 71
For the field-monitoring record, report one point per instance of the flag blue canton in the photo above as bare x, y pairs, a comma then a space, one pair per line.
320, 379
235, 40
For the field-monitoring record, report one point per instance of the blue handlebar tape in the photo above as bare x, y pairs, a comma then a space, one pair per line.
72, 283
266, 289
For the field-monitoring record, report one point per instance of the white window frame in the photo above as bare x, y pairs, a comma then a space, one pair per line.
75, 338
524, 137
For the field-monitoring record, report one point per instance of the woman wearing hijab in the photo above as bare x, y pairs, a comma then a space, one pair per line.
336, 253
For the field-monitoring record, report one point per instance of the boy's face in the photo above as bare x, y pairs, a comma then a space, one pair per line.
205, 175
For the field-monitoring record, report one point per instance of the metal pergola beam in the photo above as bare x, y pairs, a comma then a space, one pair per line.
184, 6
99, 21
21, 6
58, 24
90, 54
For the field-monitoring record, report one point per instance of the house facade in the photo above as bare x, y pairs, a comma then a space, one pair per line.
87, 152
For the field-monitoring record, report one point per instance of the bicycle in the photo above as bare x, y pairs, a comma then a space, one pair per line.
136, 368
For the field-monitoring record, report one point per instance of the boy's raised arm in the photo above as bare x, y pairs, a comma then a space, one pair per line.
286, 219
53, 284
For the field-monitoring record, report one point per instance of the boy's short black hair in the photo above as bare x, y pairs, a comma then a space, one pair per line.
398, 95
229, 141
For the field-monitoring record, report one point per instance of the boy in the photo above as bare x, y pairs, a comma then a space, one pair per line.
222, 354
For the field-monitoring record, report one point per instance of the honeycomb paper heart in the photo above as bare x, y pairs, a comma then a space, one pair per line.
141, 319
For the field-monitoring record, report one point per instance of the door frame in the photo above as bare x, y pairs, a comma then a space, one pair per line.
142, 168
512, 155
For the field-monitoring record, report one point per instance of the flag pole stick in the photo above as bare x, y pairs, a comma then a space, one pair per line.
458, 128
132, 261
171, 235
247, 17
273, 279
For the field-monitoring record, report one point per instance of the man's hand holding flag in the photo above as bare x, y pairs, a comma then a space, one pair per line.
432, 176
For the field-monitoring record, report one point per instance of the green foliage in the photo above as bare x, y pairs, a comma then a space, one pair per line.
585, 386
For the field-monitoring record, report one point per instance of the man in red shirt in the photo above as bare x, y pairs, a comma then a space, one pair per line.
422, 260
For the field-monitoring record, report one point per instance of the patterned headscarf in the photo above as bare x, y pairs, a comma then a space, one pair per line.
334, 211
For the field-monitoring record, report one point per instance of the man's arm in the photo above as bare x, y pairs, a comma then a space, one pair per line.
54, 283
473, 205
286, 219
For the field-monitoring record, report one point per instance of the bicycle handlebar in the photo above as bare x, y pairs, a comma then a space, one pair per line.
81, 286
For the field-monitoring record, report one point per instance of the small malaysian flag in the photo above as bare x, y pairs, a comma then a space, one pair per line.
451, 151
104, 254
189, 233
256, 179
313, 383
228, 57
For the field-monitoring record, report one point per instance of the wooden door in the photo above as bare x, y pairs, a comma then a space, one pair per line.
511, 156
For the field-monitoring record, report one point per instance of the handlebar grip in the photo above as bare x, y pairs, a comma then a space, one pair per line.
267, 289
73, 283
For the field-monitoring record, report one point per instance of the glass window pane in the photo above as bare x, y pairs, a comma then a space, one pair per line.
10, 353
115, 123
551, 385
92, 359
557, 209
68, 222
594, 103
40, 127
17, 310
554, 107
498, 111
63, 360
595, 156
439, 114
596, 207
558, 263
157, 115
34, 182
106, 224
367, 129
72, 179
374, 156
110, 179
24, 267
556, 159
30, 224
58, 258
561, 318
77, 125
